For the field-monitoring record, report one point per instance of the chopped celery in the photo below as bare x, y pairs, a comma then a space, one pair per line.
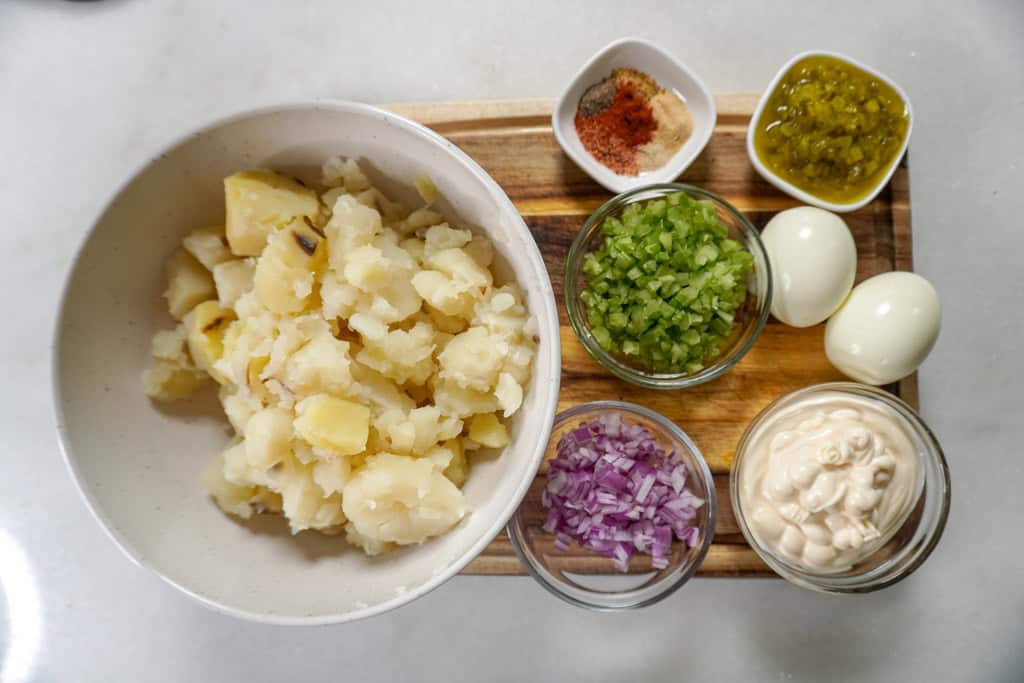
666, 283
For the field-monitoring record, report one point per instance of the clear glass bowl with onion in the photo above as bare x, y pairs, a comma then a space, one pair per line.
904, 546
749, 319
584, 577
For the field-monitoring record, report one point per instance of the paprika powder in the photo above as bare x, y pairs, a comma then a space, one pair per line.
630, 124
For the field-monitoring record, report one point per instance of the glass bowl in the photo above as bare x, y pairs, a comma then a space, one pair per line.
907, 546
750, 318
586, 579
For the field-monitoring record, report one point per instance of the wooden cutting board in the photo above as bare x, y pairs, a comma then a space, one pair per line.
513, 141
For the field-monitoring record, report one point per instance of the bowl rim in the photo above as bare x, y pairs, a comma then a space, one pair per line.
808, 579
605, 176
662, 380
547, 389
553, 586
791, 189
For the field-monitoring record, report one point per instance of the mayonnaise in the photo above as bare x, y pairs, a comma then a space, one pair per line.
828, 480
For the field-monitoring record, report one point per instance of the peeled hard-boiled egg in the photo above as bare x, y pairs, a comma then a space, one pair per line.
813, 260
886, 328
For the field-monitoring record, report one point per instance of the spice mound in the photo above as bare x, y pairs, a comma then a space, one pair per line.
615, 491
631, 124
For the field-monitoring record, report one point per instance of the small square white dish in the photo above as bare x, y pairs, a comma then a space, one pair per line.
670, 74
791, 189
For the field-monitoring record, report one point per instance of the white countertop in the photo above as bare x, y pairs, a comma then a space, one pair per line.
90, 90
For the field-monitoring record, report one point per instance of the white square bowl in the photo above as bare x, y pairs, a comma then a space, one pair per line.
670, 74
791, 189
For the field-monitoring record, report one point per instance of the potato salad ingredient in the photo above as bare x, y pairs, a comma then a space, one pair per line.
362, 353
832, 129
664, 287
886, 328
828, 480
814, 262
614, 490
631, 124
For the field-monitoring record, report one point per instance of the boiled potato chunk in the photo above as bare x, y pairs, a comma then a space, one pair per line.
460, 402
268, 436
333, 423
172, 345
454, 455
352, 225
509, 394
472, 359
239, 407
339, 172
188, 283
431, 426
285, 272
367, 269
260, 202
321, 366
404, 356
332, 475
441, 237
305, 505
481, 250
231, 498
426, 189
488, 431
169, 381
460, 267
233, 279
208, 245
403, 500
443, 293
206, 324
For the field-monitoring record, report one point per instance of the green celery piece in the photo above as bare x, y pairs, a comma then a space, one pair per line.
602, 336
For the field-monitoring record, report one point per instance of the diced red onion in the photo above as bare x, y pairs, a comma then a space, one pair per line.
614, 490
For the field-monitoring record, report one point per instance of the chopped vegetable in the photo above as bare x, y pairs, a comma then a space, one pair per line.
614, 490
832, 129
664, 286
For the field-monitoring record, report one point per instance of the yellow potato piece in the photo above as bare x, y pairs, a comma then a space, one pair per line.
206, 324
488, 431
286, 271
233, 279
188, 283
208, 245
167, 381
457, 470
259, 202
333, 423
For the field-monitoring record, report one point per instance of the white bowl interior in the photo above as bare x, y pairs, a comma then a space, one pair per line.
138, 463
671, 75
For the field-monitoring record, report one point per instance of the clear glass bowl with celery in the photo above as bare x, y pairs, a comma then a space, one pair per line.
667, 286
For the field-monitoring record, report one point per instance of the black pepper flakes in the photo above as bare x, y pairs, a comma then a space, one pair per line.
597, 98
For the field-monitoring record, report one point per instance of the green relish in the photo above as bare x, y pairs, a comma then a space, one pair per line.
831, 129
664, 287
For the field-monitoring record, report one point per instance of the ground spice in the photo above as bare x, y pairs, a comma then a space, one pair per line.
630, 124
614, 136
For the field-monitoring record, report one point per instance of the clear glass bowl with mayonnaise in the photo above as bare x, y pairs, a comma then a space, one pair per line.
840, 487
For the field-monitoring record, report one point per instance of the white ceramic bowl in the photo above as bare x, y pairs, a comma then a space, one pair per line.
670, 74
137, 464
793, 190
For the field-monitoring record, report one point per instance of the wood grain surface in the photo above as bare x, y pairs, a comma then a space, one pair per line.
513, 141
